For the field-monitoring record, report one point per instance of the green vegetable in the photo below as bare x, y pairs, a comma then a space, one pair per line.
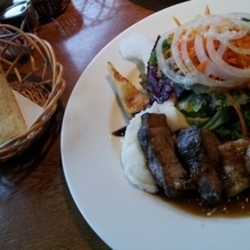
215, 112
220, 100
199, 121
230, 131
220, 118
193, 105
165, 47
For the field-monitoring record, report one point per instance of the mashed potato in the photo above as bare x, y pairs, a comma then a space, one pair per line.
134, 163
136, 47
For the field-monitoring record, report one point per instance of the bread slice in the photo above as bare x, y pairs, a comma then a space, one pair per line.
132, 99
12, 122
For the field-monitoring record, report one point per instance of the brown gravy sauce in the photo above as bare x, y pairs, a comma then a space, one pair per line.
236, 207
119, 132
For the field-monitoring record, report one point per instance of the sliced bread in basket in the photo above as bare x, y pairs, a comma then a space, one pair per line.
12, 122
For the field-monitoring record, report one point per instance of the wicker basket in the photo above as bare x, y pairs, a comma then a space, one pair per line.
31, 68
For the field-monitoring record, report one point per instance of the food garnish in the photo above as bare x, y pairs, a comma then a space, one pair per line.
201, 71
132, 99
206, 64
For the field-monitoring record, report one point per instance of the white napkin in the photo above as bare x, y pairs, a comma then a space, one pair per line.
30, 110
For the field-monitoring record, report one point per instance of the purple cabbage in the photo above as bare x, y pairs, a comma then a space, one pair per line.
159, 86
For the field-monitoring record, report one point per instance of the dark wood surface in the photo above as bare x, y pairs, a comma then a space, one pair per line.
36, 207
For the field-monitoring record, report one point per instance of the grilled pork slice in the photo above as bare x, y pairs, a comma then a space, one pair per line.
159, 148
198, 148
233, 157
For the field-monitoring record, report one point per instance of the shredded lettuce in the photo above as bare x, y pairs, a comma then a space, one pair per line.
195, 105
214, 112
199, 111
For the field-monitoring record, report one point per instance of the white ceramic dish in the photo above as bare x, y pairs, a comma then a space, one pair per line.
123, 216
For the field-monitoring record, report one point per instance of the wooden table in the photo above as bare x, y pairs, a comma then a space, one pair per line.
36, 207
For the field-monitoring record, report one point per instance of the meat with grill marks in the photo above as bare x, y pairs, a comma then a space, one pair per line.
198, 149
234, 160
159, 149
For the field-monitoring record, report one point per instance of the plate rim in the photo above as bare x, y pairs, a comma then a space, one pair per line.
99, 231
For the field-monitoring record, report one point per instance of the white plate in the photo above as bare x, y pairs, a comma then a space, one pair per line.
123, 216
